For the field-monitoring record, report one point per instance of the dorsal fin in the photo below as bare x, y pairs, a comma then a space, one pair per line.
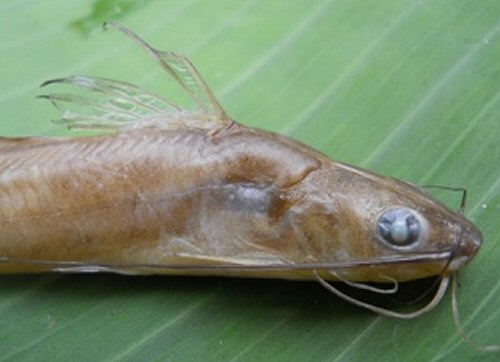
110, 104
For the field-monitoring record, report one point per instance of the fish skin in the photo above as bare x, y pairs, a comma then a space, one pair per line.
167, 197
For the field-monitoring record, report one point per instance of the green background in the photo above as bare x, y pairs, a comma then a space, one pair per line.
405, 88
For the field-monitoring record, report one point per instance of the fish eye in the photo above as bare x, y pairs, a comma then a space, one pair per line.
399, 227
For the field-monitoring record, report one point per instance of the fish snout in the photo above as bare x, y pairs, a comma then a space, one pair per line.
470, 241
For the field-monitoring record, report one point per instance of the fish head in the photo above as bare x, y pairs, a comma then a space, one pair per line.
376, 228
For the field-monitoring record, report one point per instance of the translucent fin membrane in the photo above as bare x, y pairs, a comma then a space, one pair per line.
185, 74
110, 104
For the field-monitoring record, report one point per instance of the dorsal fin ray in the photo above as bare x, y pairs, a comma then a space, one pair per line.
183, 71
110, 104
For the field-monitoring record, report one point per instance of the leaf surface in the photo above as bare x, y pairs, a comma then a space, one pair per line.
405, 88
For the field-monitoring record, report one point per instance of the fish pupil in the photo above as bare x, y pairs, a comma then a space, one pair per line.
399, 231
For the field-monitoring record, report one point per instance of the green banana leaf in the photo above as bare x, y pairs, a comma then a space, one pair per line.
405, 88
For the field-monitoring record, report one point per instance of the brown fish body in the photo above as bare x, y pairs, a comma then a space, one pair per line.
173, 191
236, 197
148, 197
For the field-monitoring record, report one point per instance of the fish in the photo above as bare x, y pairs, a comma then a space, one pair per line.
165, 189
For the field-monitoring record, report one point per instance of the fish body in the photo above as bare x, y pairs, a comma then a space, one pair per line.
189, 197
171, 191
